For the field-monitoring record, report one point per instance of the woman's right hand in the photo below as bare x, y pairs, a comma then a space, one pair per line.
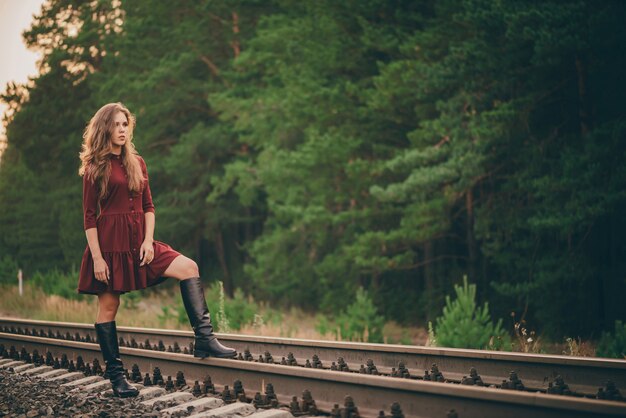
101, 269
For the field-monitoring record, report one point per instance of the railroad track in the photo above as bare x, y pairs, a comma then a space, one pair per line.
417, 397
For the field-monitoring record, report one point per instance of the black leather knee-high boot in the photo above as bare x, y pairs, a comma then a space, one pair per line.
107, 338
206, 344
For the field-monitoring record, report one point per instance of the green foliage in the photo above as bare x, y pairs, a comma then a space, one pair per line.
299, 150
360, 321
465, 325
57, 282
613, 345
323, 324
222, 320
130, 300
169, 313
405, 339
243, 310
8, 270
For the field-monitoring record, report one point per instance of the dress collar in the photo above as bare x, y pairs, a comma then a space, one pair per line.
116, 157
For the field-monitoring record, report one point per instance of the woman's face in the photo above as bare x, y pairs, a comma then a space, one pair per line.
119, 135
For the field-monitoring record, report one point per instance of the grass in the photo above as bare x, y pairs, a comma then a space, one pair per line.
158, 308
35, 304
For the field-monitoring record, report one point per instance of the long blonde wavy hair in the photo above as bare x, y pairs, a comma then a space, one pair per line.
95, 154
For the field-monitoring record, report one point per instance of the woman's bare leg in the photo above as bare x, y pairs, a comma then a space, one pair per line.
182, 268
107, 307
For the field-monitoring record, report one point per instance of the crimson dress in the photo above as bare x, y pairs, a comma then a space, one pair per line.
121, 230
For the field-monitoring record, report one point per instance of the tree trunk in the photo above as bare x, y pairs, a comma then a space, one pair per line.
203, 255
584, 106
471, 241
429, 279
219, 249
235, 43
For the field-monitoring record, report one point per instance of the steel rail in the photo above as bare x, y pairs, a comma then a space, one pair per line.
370, 393
583, 375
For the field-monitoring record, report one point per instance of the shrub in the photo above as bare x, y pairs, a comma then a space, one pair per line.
130, 300
465, 325
613, 345
579, 348
8, 270
57, 282
359, 322
222, 323
527, 339
323, 324
167, 314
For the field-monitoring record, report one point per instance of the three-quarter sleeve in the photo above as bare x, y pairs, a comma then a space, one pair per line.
90, 202
146, 201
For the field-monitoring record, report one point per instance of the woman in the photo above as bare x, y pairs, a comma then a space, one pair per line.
121, 254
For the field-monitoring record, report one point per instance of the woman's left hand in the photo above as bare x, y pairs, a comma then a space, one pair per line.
146, 252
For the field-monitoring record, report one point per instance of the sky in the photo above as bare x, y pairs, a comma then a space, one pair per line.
16, 62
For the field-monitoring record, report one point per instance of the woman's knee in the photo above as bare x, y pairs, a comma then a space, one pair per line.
108, 309
109, 303
191, 268
182, 268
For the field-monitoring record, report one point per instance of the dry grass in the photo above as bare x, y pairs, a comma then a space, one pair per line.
294, 323
35, 304
148, 312
395, 333
577, 347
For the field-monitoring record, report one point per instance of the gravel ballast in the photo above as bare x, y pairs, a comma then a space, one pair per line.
27, 397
